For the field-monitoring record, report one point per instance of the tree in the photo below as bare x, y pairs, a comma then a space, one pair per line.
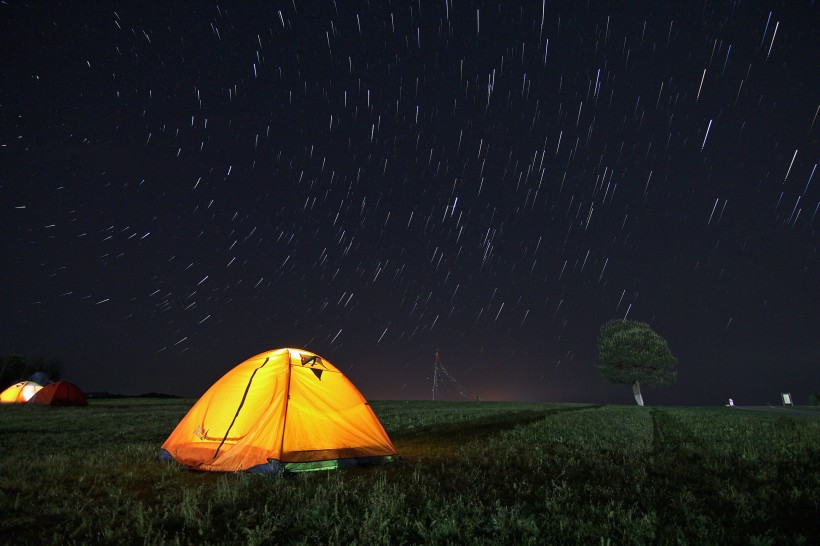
632, 352
15, 368
12, 368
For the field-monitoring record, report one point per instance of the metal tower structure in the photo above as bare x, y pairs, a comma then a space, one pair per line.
439, 372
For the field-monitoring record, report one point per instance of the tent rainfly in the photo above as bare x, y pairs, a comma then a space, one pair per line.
286, 410
19, 393
61, 393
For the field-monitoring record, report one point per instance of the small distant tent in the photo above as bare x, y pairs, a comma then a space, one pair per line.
19, 393
61, 393
286, 410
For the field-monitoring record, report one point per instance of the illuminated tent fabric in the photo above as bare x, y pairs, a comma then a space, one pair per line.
19, 393
286, 410
60, 393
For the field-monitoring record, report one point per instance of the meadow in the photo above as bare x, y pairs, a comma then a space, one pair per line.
469, 473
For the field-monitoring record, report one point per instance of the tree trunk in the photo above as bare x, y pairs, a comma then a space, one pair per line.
636, 392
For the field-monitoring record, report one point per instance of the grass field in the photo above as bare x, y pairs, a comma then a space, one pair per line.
470, 473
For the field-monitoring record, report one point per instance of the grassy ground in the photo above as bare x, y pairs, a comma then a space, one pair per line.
471, 473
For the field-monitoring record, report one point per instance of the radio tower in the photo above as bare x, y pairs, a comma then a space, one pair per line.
438, 371
436, 366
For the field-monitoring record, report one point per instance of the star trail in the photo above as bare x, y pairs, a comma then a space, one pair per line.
187, 185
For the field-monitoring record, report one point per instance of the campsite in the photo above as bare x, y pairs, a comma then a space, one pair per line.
398, 273
467, 472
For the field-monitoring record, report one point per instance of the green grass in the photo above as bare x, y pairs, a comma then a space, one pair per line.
470, 473
808, 408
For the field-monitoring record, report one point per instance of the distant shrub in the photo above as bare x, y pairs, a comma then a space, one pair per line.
14, 368
814, 399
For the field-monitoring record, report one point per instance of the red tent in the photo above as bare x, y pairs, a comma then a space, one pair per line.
60, 393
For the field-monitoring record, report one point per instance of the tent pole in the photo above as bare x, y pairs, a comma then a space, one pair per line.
287, 403
241, 403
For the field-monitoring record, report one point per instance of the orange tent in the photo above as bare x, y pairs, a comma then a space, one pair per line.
19, 393
60, 393
286, 410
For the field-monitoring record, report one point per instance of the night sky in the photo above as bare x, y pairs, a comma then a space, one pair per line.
185, 186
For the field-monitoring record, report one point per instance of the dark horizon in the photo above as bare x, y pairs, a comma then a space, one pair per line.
187, 186
600, 392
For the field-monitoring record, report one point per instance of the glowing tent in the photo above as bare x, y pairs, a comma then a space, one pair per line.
19, 393
60, 393
286, 410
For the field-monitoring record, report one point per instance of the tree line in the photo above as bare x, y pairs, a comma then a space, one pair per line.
14, 368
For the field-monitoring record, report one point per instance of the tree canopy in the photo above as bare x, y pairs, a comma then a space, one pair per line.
633, 352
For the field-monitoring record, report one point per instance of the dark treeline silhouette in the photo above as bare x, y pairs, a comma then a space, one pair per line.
14, 368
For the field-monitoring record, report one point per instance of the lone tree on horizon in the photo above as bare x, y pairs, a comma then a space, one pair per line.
632, 352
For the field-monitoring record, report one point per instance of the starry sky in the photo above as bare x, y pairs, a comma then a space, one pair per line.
184, 186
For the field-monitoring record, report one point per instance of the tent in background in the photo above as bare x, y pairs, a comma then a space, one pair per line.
19, 393
286, 410
61, 393
41, 378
